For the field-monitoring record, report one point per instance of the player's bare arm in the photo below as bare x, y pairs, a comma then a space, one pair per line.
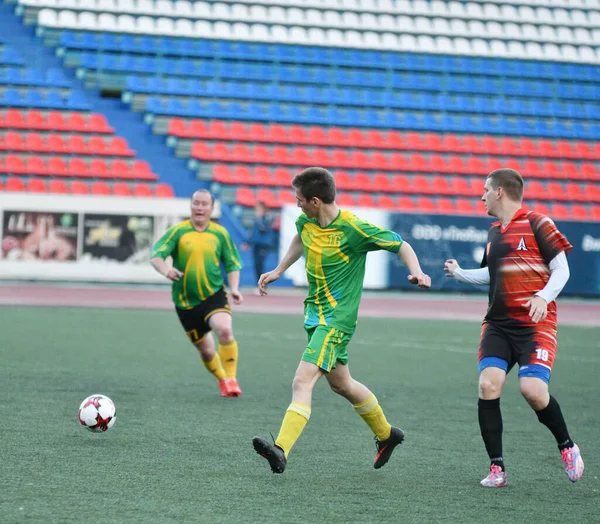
410, 260
165, 270
294, 252
234, 287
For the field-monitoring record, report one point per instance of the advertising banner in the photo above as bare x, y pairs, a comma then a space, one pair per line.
117, 238
45, 236
437, 238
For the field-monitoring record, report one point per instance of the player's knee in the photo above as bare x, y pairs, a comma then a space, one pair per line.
536, 397
489, 388
224, 334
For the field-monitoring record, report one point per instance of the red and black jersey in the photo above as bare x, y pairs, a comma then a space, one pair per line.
517, 257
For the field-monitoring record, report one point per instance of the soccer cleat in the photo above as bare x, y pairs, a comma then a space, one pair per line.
573, 462
496, 479
224, 387
233, 388
274, 454
386, 447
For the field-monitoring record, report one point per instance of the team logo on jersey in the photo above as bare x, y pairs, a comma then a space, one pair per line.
522, 246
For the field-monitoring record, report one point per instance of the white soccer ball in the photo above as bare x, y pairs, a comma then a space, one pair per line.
97, 413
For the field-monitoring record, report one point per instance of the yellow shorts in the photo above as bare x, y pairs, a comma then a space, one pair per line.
326, 347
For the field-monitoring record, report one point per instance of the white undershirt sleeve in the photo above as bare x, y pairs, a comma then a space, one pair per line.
478, 277
559, 275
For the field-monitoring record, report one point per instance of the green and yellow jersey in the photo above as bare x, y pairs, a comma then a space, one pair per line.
198, 255
335, 266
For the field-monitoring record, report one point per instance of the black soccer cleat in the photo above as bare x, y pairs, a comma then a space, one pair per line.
274, 454
386, 447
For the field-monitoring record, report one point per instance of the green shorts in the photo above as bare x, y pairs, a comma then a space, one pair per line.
326, 346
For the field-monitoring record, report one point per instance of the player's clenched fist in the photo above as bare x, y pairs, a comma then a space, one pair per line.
450, 267
420, 279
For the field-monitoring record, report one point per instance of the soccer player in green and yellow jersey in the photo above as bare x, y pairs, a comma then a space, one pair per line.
198, 247
335, 244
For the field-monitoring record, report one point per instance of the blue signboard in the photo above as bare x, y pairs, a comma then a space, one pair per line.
437, 238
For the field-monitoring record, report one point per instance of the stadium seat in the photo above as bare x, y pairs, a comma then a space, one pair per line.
560, 211
57, 186
580, 212
244, 196
466, 207
100, 188
385, 202
121, 189
35, 185
164, 191
79, 187
142, 190
406, 203
14, 184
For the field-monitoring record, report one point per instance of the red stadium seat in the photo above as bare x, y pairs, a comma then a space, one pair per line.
198, 129
121, 189
535, 190
415, 141
118, 146
490, 146
285, 197
540, 207
177, 127
121, 169
363, 182
301, 157
406, 203
395, 140
13, 141
141, 169
256, 133
546, 148
336, 137
97, 124
223, 173
57, 186
164, 191
55, 121
475, 166
244, 196
382, 161
365, 200
14, 164
507, 147
13, 119
550, 169
356, 138
283, 177
317, 136
401, 184
100, 188
279, 133
584, 151
343, 180
564, 149
456, 165
560, 211
472, 144
99, 169
77, 167
360, 160
36, 185
295, 134
452, 144
76, 122
79, 187
345, 200
218, 130
382, 183
596, 213
281, 155
426, 205
35, 165
433, 142
243, 153
440, 185
532, 168
589, 172
243, 175
57, 166
528, 147
466, 207
35, 142
203, 151
421, 185
555, 191
445, 206
385, 202
437, 164
97, 146
14, 184
460, 186
77, 145
418, 163
580, 212
374, 139
142, 190
55, 143
267, 197
574, 191
592, 191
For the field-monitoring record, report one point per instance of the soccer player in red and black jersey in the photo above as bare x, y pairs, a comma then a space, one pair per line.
526, 267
